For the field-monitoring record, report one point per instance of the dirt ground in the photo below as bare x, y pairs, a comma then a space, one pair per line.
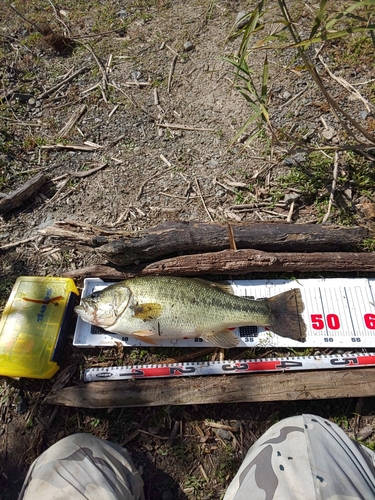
155, 115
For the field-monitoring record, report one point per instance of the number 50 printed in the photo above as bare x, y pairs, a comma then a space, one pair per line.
332, 321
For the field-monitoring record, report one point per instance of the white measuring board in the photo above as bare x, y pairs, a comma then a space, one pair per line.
338, 313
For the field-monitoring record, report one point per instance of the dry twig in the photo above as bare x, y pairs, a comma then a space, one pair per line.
333, 188
17, 243
178, 126
63, 82
76, 116
171, 73
201, 197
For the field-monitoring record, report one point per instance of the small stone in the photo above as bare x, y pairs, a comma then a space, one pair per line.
213, 163
286, 95
219, 193
242, 20
300, 157
348, 194
188, 46
135, 75
365, 432
122, 13
38, 104
223, 434
368, 209
31, 101
289, 197
291, 161
137, 150
363, 115
328, 133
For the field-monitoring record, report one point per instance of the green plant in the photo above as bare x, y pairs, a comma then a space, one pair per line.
369, 245
195, 483
284, 35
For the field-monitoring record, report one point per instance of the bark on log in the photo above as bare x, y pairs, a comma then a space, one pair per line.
235, 263
354, 382
238, 262
188, 237
20, 195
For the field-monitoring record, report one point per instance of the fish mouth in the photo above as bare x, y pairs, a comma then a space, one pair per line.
86, 312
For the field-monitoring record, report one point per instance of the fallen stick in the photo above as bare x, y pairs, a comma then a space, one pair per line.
76, 116
178, 126
86, 173
74, 147
14, 244
17, 197
321, 384
235, 263
63, 82
188, 237
171, 74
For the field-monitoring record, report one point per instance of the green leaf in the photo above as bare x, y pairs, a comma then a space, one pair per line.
333, 35
248, 122
264, 80
340, 15
319, 18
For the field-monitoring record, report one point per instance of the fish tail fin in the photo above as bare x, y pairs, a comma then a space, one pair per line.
286, 313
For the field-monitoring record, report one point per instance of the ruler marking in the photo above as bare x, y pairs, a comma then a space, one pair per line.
323, 311
352, 311
230, 367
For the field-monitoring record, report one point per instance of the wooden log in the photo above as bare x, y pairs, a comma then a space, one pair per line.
235, 263
344, 383
17, 197
188, 237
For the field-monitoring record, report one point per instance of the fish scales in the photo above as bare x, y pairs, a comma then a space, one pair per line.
198, 305
155, 307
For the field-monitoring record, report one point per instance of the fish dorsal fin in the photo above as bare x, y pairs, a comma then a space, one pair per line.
226, 338
221, 285
148, 311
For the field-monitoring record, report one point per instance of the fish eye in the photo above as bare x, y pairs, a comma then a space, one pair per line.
95, 295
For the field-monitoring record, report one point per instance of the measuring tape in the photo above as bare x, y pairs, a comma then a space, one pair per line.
339, 313
229, 367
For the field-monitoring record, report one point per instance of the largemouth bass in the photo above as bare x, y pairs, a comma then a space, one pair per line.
150, 308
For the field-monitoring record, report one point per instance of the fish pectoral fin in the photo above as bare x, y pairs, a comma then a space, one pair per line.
145, 336
148, 311
226, 338
144, 333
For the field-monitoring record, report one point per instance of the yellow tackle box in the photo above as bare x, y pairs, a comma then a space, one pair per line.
33, 326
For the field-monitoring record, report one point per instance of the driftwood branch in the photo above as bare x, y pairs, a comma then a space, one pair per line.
17, 197
236, 263
174, 237
356, 382
248, 261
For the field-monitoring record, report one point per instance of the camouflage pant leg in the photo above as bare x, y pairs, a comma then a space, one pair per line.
305, 457
82, 466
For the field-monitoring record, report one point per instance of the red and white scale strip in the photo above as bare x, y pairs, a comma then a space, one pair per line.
295, 363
